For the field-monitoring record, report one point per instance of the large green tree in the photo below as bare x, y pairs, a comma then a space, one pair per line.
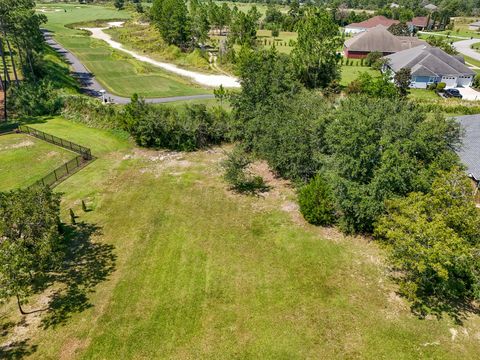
243, 29
172, 21
315, 54
20, 40
383, 149
434, 244
29, 240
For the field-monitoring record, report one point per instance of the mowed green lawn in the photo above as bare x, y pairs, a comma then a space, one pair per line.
201, 273
116, 71
351, 72
25, 159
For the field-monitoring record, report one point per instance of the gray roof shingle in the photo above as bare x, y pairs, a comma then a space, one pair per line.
470, 151
428, 60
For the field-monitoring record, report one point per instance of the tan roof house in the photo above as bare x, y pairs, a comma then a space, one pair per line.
378, 39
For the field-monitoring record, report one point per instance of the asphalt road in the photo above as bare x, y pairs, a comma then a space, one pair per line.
93, 88
464, 47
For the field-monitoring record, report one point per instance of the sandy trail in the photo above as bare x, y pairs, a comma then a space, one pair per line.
203, 79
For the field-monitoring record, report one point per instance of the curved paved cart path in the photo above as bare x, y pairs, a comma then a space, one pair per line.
92, 87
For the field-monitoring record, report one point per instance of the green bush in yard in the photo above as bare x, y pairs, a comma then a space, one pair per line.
476, 82
441, 86
187, 129
238, 175
317, 203
433, 241
34, 99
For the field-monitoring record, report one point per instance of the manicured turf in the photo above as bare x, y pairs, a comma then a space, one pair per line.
202, 273
118, 72
351, 72
423, 94
25, 159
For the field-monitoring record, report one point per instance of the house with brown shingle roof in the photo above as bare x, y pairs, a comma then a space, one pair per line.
378, 39
355, 28
419, 23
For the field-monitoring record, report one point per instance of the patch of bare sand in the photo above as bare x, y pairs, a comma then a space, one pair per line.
71, 347
28, 324
21, 144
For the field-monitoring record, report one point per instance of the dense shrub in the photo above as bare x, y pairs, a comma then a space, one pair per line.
239, 176
316, 202
34, 99
378, 86
91, 112
373, 57
476, 82
187, 129
433, 241
441, 86
380, 150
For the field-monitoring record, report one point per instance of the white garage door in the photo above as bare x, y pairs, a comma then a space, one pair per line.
465, 80
450, 81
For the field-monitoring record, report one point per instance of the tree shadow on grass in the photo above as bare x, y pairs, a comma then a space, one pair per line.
17, 350
457, 309
86, 264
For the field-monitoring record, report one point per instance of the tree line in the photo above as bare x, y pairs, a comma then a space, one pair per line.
372, 163
21, 43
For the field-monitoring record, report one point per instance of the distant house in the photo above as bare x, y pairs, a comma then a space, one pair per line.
474, 26
378, 39
431, 65
419, 23
431, 7
394, 6
375, 21
470, 151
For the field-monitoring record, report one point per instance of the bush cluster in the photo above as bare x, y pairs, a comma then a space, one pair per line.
34, 99
185, 129
238, 175
317, 202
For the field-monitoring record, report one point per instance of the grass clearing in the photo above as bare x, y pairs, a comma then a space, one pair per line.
203, 273
423, 94
25, 159
118, 72
351, 72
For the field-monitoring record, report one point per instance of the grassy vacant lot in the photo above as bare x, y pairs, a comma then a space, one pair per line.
25, 159
460, 27
351, 72
179, 267
118, 72
245, 7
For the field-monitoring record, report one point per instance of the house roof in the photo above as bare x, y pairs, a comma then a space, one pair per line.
373, 22
382, 40
426, 60
431, 7
470, 151
420, 21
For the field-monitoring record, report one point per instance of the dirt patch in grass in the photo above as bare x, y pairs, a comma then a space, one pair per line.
19, 145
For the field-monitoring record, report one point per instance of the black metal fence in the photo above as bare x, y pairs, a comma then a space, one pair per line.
64, 171
83, 151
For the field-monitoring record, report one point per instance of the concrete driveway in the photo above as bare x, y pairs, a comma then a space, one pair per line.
468, 93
